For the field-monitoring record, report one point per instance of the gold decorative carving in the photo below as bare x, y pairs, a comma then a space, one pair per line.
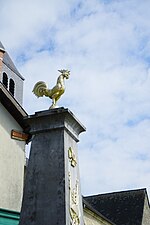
74, 194
69, 180
41, 89
72, 157
74, 217
74, 200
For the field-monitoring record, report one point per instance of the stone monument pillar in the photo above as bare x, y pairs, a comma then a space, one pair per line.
52, 186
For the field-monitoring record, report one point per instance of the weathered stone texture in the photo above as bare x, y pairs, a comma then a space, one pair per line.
46, 193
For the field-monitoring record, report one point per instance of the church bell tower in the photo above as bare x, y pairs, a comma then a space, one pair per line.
10, 76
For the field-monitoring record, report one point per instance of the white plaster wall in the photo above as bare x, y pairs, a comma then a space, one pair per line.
12, 160
146, 213
91, 218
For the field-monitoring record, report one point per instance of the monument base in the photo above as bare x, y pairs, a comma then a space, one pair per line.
52, 193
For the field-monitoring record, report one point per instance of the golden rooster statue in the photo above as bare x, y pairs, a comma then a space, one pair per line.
41, 89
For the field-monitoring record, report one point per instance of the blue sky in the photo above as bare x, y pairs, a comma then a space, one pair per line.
106, 46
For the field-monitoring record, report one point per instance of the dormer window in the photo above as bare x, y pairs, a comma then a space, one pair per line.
5, 80
12, 87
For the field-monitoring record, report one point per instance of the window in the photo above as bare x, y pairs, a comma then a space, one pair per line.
5, 80
12, 86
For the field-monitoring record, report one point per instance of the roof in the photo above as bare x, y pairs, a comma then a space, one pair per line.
12, 106
125, 207
9, 63
88, 206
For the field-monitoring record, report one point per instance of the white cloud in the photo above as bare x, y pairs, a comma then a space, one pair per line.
106, 47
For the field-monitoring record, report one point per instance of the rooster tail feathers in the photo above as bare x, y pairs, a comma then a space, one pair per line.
40, 88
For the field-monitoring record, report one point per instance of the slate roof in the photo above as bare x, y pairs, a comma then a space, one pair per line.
9, 63
87, 205
122, 208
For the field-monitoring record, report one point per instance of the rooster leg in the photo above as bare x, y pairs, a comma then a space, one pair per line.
53, 103
55, 98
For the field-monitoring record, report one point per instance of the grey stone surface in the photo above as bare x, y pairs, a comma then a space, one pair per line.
46, 199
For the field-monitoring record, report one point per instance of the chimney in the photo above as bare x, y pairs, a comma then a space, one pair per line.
2, 51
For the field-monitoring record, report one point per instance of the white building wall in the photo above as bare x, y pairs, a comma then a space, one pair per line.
146, 213
12, 161
18, 83
90, 218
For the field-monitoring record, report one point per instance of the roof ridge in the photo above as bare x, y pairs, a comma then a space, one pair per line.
115, 192
122, 207
8, 61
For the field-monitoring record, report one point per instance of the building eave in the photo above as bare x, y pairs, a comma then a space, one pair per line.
88, 206
12, 106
